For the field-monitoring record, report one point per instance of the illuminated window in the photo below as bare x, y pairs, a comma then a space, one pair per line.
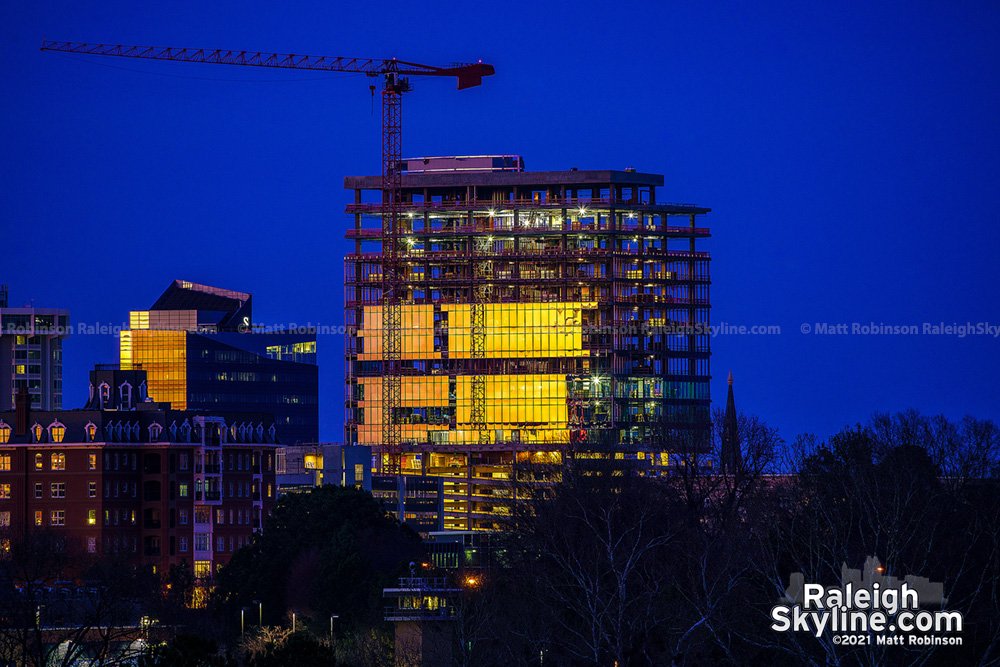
5, 491
92, 518
4, 433
4, 519
59, 461
92, 459
38, 517
202, 568
38, 462
36, 432
92, 490
91, 432
4, 462
314, 461
57, 518
57, 431
183, 490
20, 369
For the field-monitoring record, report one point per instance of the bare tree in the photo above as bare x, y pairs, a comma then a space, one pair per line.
49, 622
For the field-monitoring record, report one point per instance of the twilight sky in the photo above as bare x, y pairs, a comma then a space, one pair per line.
850, 152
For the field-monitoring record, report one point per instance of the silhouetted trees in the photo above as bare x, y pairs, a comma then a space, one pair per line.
328, 551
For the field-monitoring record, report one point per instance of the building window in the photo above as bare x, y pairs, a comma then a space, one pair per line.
220, 517
92, 458
91, 545
4, 433
202, 568
201, 543
184, 461
38, 517
4, 462
57, 431
57, 490
184, 517
183, 490
38, 462
220, 544
107, 517
59, 461
92, 490
184, 544
4, 519
38, 489
57, 518
5, 491
91, 431
91, 517
36, 432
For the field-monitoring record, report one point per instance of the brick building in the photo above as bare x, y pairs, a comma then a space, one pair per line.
128, 476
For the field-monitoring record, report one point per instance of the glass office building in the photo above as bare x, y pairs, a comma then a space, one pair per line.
201, 351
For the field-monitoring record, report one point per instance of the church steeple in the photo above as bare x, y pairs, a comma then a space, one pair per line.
730, 456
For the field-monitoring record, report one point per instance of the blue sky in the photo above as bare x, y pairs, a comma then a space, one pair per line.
850, 153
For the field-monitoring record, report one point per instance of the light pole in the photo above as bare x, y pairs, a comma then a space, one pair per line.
260, 612
242, 632
332, 616
293, 622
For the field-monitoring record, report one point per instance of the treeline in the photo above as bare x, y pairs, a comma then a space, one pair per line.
610, 567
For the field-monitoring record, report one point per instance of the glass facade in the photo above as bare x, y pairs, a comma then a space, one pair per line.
163, 355
200, 352
540, 319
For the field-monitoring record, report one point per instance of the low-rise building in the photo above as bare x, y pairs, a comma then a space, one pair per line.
130, 477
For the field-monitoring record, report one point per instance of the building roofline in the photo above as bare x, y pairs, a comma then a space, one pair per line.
504, 178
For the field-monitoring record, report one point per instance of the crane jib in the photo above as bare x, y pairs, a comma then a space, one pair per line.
468, 75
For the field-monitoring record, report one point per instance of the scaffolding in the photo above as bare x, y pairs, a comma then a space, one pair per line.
541, 315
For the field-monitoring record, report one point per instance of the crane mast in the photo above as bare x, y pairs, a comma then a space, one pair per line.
394, 85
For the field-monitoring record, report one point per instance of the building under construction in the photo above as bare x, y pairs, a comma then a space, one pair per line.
541, 315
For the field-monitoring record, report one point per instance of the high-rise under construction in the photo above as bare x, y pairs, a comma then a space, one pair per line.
541, 315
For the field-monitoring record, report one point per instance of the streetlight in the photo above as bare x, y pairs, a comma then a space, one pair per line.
293, 622
332, 616
242, 633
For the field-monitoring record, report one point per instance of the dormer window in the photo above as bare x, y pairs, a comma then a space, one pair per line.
125, 396
173, 431
105, 392
90, 430
271, 433
36, 433
154, 432
57, 431
4, 432
143, 392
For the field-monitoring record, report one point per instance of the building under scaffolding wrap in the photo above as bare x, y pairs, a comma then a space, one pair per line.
542, 315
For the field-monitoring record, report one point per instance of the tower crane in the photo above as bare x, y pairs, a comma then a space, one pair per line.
395, 81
